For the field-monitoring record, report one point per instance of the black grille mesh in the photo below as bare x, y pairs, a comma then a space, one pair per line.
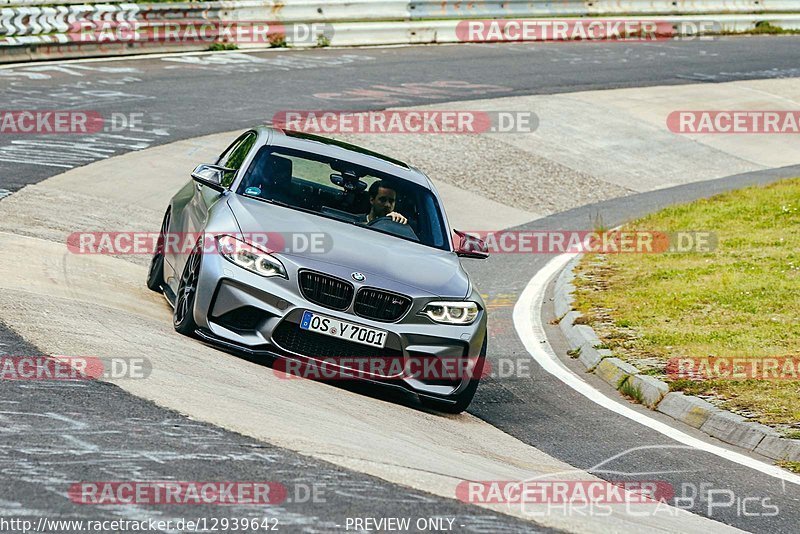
380, 305
326, 290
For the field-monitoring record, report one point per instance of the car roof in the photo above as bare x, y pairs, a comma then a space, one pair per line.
345, 151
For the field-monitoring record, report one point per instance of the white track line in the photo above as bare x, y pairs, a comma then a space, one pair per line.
529, 327
134, 57
269, 49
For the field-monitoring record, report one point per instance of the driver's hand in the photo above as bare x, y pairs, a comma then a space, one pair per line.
396, 217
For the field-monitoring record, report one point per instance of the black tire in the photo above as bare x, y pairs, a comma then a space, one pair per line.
183, 315
155, 274
463, 399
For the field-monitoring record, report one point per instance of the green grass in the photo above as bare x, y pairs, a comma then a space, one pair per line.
741, 300
791, 466
277, 40
762, 27
765, 28
628, 389
215, 47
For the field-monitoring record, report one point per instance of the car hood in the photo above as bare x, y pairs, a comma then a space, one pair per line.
387, 261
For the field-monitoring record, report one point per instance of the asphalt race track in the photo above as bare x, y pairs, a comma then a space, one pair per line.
52, 435
193, 95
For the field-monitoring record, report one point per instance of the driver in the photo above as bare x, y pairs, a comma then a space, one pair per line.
382, 197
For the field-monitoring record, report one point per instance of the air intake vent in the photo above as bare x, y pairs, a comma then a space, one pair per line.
290, 337
241, 320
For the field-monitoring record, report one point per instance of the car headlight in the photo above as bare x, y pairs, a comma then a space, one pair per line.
451, 312
250, 257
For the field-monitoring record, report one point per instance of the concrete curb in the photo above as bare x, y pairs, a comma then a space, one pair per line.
653, 393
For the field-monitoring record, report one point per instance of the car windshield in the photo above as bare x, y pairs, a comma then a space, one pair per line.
340, 190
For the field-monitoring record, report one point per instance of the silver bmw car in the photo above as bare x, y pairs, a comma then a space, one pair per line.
325, 256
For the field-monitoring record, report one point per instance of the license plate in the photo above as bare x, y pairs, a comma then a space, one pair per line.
343, 330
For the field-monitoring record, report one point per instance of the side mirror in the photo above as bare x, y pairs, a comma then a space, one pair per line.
470, 246
210, 175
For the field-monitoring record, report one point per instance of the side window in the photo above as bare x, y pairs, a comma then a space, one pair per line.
235, 155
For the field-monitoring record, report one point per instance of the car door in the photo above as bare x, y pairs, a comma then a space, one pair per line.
190, 220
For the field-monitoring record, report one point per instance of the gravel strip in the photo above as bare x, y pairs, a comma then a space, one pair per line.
486, 165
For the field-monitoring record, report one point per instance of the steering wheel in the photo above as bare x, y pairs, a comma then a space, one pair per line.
387, 224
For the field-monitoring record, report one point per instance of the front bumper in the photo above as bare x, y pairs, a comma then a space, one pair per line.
242, 311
